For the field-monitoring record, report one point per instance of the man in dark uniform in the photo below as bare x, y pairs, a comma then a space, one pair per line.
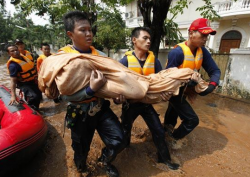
143, 61
190, 54
23, 75
87, 113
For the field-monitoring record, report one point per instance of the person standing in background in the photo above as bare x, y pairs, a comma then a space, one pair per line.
21, 47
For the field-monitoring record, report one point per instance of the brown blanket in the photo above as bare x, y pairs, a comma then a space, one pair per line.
67, 73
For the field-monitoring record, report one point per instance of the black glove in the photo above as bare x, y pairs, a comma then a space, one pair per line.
208, 90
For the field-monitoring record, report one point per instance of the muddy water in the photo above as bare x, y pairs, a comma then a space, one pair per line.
4, 77
219, 146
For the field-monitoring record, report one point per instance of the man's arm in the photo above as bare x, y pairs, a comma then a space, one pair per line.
175, 58
78, 96
212, 70
97, 80
13, 83
124, 61
210, 67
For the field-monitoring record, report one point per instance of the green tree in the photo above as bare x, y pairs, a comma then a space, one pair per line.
56, 9
5, 19
154, 12
19, 27
111, 33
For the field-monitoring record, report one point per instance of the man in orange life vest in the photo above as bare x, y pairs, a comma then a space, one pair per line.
23, 74
190, 54
45, 48
143, 61
21, 47
87, 113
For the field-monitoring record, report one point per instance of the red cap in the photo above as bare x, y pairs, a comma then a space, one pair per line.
202, 25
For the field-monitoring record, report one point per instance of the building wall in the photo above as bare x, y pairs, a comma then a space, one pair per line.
223, 25
242, 25
189, 14
237, 80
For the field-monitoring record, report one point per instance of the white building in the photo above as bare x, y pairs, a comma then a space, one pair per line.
233, 29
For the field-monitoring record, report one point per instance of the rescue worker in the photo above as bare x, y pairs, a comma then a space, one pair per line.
23, 75
87, 113
21, 47
45, 48
190, 54
143, 61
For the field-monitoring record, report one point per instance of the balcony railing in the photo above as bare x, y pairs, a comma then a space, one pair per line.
229, 8
134, 22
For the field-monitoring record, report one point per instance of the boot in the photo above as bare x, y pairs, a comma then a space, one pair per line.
110, 169
81, 166
171, 165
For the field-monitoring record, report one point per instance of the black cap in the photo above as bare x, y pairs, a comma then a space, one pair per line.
19, 41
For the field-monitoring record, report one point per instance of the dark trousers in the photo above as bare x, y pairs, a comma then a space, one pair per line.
178, 106
152, 120
31, 92
109, 129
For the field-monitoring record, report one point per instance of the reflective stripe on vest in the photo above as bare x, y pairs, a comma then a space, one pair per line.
27, 54
148, 67
189, 60
70, 49
28, 69
42, 56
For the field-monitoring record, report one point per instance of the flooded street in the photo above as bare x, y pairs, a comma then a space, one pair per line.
219, 146
4, 77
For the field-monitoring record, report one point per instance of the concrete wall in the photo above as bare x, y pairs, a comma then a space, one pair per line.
237, 80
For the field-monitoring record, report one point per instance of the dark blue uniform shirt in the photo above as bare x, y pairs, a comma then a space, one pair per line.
14, 69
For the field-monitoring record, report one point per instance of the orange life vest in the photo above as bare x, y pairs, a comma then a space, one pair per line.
70, 49
27, 54
40, 60
28, 69
189, 60
148, 67
42, 57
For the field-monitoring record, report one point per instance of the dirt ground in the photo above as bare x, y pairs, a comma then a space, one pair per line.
219, 146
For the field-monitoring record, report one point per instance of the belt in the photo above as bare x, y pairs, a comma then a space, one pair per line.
85, 101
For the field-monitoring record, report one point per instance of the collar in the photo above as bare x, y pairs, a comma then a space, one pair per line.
81, 51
